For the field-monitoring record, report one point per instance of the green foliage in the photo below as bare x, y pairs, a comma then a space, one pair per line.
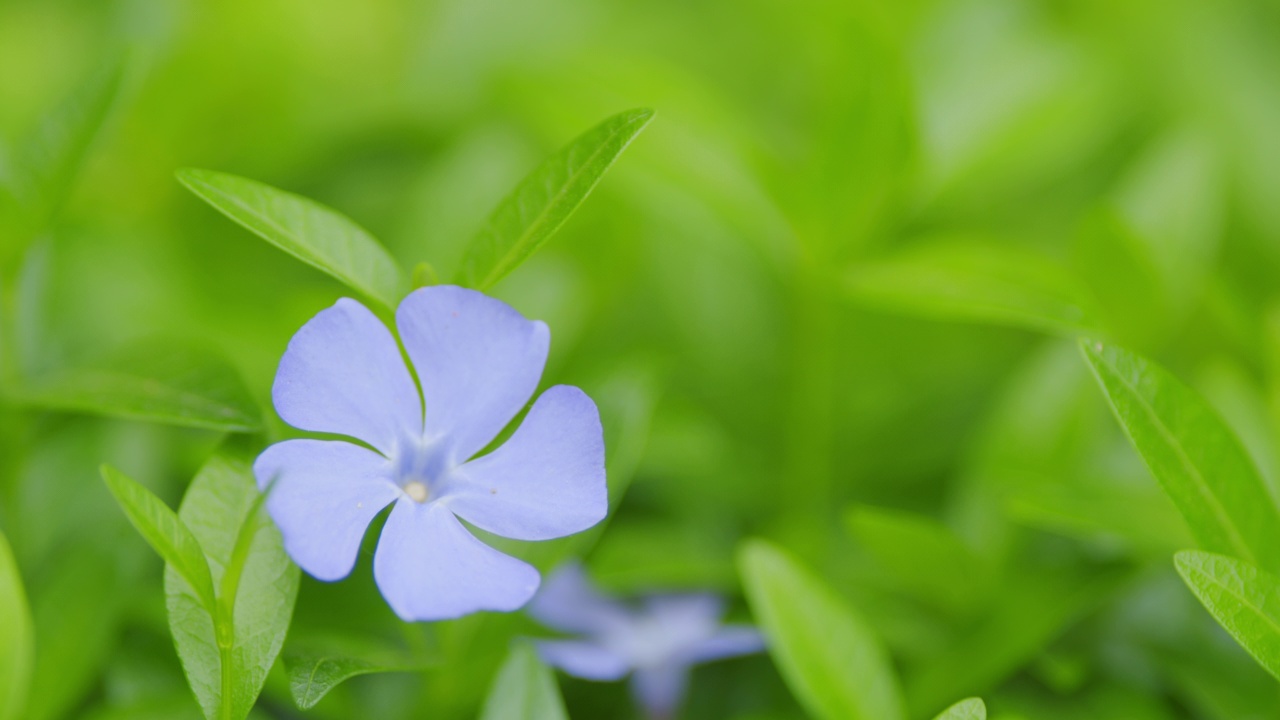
15, 637
544, 200
1244, 599
974, 280
226, 654
305, 229
158, 382
1192, 452
831, 658
524, 689
971, 709
312, 674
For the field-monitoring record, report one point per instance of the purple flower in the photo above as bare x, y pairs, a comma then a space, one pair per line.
478, 362
657, 641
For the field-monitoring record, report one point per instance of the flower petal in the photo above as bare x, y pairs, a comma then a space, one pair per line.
729, 641
429, 567
478, 361
324, 495
660, 689
342, 373
583, 659
547, 481
569, 603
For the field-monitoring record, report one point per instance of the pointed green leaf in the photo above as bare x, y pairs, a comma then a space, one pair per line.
307, 230
545, 199
163, 531
314, 672
828, 655
524, 689
46, 164
1191, 451
963, 279
257, 585
971, 709
1242, 598
156, 382
16, 641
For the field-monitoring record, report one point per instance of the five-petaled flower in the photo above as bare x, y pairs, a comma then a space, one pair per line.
657, 641
478, 362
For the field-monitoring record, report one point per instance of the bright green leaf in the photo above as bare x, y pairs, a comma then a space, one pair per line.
971, 709
163, 531
1242, 598
307, 230
828, 655
524, 689
163, 383
545, 199
16, 642
257, 584
960, 279
1191, 451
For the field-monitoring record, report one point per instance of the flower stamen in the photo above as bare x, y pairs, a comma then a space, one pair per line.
417, 491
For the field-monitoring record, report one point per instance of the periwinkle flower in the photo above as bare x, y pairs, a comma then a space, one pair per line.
478, 362
656, 641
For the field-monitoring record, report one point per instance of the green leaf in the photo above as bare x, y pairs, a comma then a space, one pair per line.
1242, 598
314, 672
971, 709
964, 279
156, 382
922, 556
1191, 451
828, 655
545, 199
46, 164
307, 230
226, 657
16, 641
163, 531
524, 689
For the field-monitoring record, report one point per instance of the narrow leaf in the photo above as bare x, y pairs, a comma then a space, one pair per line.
16, 638
307, 230
828, 655
155, 382
222, 508
524, 689
971, 709
46, 164
545, 199
962, 279
163, 531
1191, 451
1242, 598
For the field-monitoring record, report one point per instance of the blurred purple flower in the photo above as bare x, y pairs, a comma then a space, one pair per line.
478, 362
657, 641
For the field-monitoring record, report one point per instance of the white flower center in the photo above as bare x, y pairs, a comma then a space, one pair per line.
417, 491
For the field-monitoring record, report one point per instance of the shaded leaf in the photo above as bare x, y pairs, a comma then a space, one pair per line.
545, 199
1242, 598
156, 382
256, 582
971, 709
1191, 451
828, 655
307, 230
524, 689
16, 637
313, 672
961, 279
163, 531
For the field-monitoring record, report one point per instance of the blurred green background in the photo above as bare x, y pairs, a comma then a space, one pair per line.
963, 484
